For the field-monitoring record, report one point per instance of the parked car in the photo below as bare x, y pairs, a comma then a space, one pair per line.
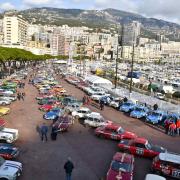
141, 147
122, 167
72, 107
53, 114
4, 101
46, 107
95, 120
160, 96
167, 164
99, 95
139, 112
63, 123
115, 132
10, 170
156, 117
4, 111
127, 106
8, 97
9, 135
81, 113
8, 151
154, 177
115, 103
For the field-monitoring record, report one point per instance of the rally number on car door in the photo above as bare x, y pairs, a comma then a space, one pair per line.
139, 151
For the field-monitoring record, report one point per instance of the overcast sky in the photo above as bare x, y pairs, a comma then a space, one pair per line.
161, 9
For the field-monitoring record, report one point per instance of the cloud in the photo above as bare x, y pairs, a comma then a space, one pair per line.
6, 6
35, 3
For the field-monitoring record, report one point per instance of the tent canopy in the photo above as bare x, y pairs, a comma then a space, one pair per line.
96, 80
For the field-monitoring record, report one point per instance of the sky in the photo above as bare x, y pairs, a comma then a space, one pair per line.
160, 9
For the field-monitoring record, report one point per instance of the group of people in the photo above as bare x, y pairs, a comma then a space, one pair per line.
172, 127
20, 95
21, 85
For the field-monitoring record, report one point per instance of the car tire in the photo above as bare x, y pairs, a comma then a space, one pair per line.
4, 179
3, 103
101, 136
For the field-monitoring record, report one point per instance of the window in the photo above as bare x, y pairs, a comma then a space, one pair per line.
140, 145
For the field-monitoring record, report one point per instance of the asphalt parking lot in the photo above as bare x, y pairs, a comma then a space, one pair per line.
91, 155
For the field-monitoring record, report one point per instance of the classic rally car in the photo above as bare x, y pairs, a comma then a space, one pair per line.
156, 117
95, 120
9, 135
127, 107
139, 112
167, 164
4, 111
141, 147
9, 170
46, 107
80, 113
113, 131
121, 167
53, 114
8, 151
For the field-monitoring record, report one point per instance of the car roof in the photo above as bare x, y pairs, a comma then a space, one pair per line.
113, 126
140, 140
154, 177
123, 157
171, 157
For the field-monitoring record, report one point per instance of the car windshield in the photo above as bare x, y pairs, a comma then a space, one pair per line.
121, 131
116, 166
1, 161
138, 109
154, 114
148, 146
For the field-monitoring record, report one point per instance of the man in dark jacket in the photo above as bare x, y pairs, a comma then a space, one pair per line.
68, 166
44, 131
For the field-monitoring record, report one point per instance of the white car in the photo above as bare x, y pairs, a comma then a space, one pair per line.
160, 96
72, 107
9, 135
10, 98
95, 120
114, 103
9, 170
97, 96
6, 92
81, 113
4, 101
154, 177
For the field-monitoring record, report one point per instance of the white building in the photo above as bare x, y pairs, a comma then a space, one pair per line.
15, 30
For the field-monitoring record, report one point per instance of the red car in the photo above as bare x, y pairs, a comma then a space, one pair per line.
121, 167
116, 132
63, 123
2, 123
46, 107
141, 147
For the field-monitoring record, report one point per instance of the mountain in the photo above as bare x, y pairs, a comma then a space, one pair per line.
92, 18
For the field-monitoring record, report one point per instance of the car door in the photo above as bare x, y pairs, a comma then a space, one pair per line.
139, 149
114, 135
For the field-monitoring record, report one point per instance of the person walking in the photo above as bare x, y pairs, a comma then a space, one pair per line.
101, 105
54, 132
68, 166
172, 129
155, 107
18, 96
44, 131
178, 127
167, 123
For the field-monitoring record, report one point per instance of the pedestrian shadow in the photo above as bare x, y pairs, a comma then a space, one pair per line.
38, 129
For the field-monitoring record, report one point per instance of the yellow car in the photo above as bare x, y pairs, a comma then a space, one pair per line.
4, 111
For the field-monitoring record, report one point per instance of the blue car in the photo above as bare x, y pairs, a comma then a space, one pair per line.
156, 117
127, 107
139, 112
106, 99
53, 114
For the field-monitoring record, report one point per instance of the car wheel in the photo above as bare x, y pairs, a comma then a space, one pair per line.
101, 136
3, 103
4, 179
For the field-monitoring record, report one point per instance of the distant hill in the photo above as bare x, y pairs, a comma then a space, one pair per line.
92, 18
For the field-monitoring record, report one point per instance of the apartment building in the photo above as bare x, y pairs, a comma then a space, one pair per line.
15, 30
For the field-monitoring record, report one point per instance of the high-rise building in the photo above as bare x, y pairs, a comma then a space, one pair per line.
15, 30
131, 33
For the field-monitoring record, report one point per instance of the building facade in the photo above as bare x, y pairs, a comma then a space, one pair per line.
15, 30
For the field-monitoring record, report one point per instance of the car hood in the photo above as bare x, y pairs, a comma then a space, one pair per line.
50, 114
113, 174
129, 134
153, 118
11, 167
157, 148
